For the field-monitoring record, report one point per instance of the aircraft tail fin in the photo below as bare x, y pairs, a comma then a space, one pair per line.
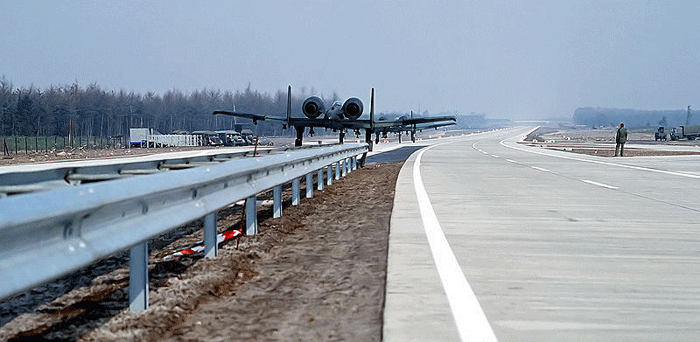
371, 110
289, 106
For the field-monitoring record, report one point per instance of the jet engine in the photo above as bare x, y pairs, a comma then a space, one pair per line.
313, 107
352, 108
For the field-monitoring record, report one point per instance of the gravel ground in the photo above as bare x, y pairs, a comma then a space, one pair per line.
81, 154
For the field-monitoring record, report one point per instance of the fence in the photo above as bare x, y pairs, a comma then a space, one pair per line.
162, 140
23, 144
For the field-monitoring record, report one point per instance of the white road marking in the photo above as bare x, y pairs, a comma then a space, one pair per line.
468, 315
674, 173
599, 184
495, 156
511, 161
540, 169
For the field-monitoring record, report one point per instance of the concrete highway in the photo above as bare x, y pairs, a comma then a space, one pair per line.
491, 240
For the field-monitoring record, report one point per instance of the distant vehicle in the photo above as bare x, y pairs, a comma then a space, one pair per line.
661, 134
230, 138
214, 141
244, 138
209, 138
690, 132
239, 141
262, 141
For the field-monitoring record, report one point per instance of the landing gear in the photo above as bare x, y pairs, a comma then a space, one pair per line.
368, 138
300, 135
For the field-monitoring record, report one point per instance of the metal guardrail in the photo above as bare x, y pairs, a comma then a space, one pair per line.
44, 235
60, 175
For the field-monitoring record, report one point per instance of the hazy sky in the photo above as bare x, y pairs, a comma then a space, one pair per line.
519, 59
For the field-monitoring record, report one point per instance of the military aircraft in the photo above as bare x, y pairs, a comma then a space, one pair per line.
410, 128
340, 117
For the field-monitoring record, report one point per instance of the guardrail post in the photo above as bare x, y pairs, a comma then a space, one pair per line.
138, 277
211, 247
295, 191
277, 201
337, 170
344, 169
319, 178
251, 216
329, 173
354, 163
309, 185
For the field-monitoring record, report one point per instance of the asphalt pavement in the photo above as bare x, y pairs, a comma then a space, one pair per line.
492, 240
397, 154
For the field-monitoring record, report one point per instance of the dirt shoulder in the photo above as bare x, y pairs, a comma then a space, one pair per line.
319, 275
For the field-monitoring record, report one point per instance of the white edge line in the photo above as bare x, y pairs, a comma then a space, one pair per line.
540, 169
469, 317
599, 184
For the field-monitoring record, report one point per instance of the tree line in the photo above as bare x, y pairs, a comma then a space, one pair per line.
611, 117
72, 110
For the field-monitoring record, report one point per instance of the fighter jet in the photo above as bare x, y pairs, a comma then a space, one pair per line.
410, 126
340, 116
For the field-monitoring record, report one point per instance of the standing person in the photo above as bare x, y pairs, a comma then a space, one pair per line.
620, 139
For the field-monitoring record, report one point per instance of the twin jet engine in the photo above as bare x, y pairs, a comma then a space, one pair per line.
314, 106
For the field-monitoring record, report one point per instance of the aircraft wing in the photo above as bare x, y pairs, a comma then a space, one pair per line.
346, 124
435, 125
254, 117
416, 121
419, 127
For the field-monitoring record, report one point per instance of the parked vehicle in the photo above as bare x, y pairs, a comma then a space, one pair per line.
228, 137
262, 141
661, 134
209, 138
690, 132
239, 141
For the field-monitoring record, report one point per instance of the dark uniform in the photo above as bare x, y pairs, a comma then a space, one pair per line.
620, 139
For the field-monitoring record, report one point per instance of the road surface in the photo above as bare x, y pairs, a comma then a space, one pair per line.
540, 245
